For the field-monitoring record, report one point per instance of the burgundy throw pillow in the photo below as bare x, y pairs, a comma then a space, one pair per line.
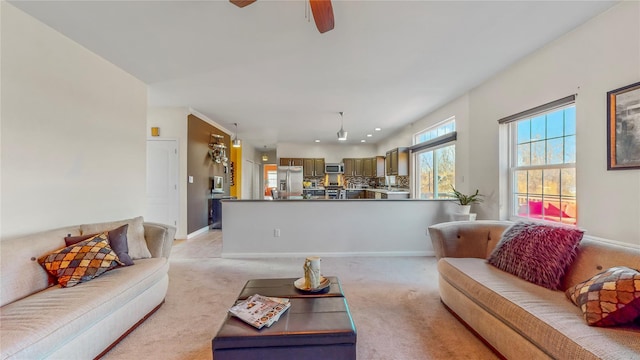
538, 253
117, 242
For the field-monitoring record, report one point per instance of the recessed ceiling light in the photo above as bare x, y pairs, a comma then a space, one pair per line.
363, 140
369, 135
317, 140
377, 129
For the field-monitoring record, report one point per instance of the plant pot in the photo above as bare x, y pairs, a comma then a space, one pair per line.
464, 209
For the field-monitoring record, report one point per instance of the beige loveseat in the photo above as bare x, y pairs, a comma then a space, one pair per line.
39, 319
518, 319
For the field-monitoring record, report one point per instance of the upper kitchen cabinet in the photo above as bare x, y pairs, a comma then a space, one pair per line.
291, 162
313, 167
397, 162
373, 167
353, 167
367, 167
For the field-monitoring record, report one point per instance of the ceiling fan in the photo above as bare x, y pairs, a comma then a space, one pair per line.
321, 9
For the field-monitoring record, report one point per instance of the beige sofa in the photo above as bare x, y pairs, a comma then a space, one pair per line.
40, 320
516, 318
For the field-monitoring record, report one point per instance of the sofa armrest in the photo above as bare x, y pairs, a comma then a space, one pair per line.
462, 239
159, 238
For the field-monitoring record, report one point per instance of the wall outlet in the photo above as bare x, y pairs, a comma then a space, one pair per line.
276, 232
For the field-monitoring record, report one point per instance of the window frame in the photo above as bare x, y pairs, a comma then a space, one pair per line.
511, 123
433, 144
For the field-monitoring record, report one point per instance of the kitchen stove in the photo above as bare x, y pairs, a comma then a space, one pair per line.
332, 190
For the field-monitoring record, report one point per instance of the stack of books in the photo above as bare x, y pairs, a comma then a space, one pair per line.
260, 311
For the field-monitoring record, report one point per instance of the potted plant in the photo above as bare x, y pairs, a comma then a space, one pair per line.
465, 201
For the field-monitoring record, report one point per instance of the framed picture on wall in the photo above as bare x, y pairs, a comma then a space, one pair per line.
623, 128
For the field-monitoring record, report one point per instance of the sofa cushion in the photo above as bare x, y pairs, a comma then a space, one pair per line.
117, 241
543, 317
135, 235
609, 298
34, 326
82, 261
537, 253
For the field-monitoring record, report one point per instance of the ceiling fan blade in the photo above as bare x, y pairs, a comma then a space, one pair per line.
242, 3
322, 14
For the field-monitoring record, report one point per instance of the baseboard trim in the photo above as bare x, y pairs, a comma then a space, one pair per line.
328, 254
198, 232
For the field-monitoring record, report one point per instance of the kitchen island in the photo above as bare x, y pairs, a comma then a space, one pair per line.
323, 227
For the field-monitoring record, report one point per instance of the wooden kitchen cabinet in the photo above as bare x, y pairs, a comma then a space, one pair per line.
356, 194
397, 162
367, 167
348, 167
313, 167
291, 162
353, 167
373, 167
358, 167
377, 166
319, 167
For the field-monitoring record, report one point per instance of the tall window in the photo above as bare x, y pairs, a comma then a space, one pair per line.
542, 160
434, 159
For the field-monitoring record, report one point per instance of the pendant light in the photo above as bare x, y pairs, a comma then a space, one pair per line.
236, 141
342, 135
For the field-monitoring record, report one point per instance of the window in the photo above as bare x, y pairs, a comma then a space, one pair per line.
542, 162
434, 159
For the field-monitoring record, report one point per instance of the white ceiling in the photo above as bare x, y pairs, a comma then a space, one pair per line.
267, 68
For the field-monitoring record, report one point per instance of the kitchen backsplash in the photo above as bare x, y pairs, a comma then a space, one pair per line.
361, 181
402, 181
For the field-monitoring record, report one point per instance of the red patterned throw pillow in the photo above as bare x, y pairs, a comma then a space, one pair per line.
538, 253
82, 261
610, 298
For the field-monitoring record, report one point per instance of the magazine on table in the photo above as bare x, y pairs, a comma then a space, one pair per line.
260, 311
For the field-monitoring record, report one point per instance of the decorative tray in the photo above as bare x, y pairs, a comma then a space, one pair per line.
324, 283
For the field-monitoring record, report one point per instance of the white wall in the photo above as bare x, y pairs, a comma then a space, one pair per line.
172, 122
458, 108
330, 227
73, 132
330, 153
599, 56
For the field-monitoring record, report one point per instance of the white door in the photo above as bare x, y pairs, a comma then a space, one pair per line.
162, 181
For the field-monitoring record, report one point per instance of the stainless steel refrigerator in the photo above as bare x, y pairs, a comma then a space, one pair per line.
290, 181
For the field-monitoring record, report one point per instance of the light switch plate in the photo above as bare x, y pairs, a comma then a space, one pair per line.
190, 179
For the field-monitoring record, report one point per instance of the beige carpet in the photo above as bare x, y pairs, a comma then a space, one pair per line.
394, 303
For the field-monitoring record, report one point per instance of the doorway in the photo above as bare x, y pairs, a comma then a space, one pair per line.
270, 179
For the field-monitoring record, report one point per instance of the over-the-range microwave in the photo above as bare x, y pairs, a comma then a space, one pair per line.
334, 168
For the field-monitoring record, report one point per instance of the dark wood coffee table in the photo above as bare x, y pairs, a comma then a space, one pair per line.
316, 326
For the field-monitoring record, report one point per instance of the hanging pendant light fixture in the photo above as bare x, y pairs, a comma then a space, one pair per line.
236, 141
342, 135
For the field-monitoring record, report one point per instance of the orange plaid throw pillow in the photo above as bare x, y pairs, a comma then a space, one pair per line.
82, 261
609, 298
